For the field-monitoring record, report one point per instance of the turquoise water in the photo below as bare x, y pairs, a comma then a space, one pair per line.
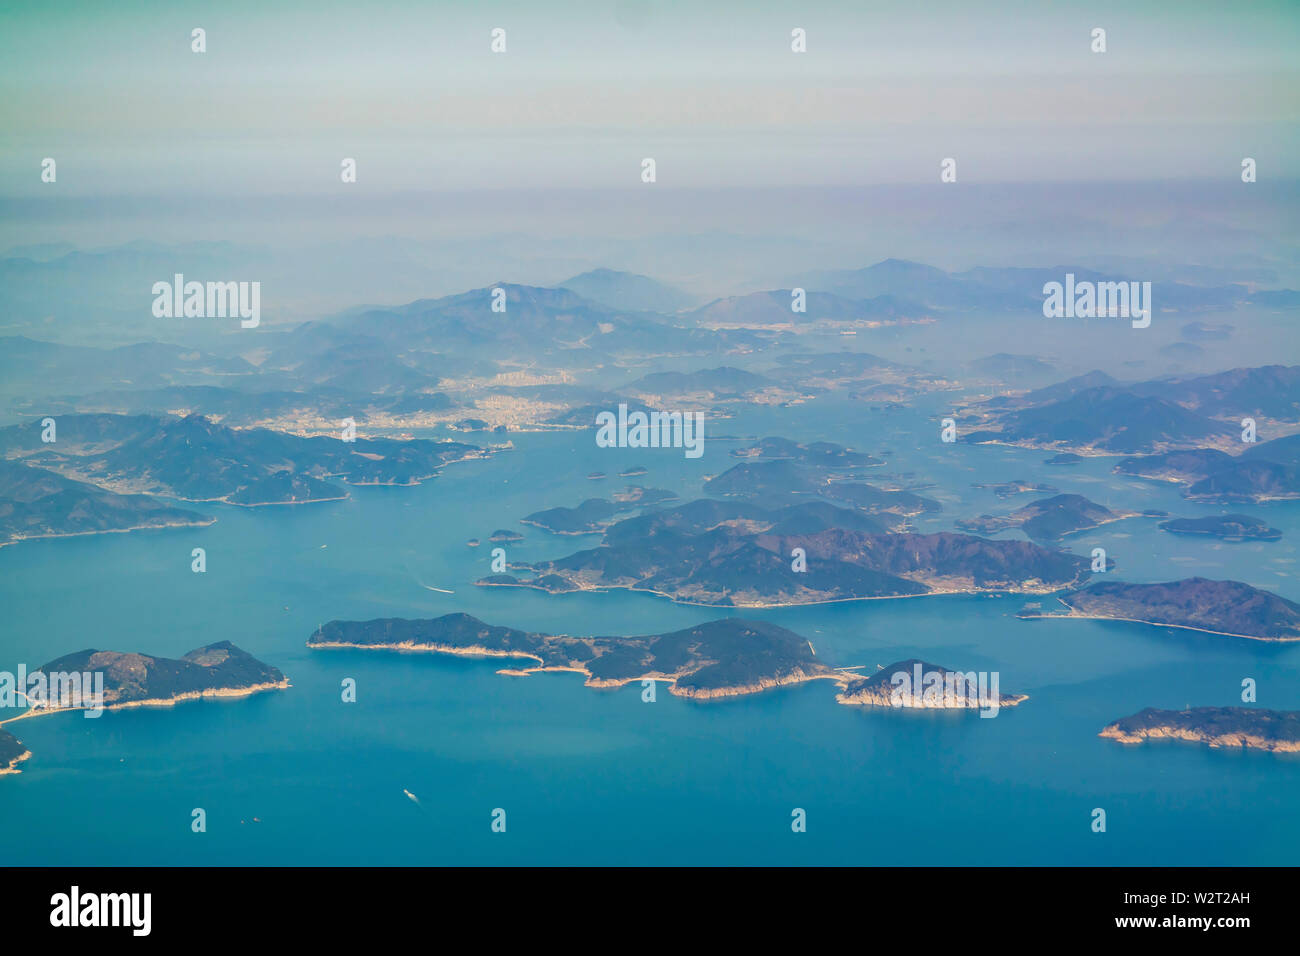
599, 776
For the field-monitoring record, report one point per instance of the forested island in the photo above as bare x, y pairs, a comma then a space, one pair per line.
1249, 728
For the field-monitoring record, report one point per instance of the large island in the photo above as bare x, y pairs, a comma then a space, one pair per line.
719, 659
738, 554
723, 658
1249, 728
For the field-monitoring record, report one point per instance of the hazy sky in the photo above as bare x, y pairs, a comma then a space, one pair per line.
712, 91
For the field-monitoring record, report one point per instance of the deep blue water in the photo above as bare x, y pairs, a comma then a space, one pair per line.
599, 776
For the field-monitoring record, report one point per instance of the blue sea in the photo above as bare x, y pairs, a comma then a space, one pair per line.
601, 777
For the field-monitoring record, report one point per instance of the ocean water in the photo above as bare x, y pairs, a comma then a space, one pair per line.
600, 777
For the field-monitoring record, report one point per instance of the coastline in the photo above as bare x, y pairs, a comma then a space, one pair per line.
1074, 615
478, 651
215, 692
13, 764
1218, 741
83, 534
884, 700
483, 583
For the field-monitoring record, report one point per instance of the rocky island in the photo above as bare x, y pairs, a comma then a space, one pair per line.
12, 753
916, 683
1230, 608
1248, 728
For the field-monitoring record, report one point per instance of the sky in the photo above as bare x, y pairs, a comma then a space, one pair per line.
585, 91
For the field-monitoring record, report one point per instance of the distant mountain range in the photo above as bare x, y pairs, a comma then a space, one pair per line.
628, 291
986, 289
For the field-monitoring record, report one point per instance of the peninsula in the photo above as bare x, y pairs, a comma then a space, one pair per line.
36, 503
1230, 608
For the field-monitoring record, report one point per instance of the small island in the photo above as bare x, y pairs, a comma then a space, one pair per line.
1048, 519
1247, 728
1019, 486
820, 453
916, 683
1229, 608
1224, 527
502, 535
